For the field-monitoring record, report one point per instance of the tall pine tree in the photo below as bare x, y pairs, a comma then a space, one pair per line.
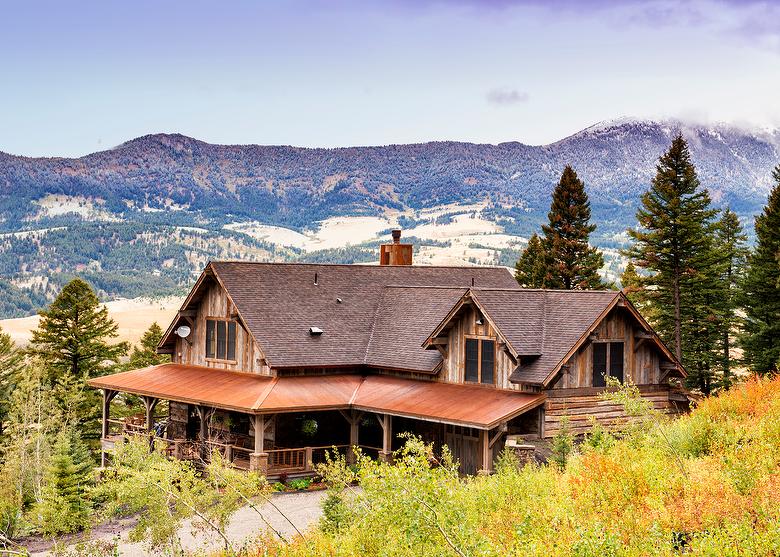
571, 262
73, 342
10, 366
761, 337
74, 333
674, 244
530, 269
732, 249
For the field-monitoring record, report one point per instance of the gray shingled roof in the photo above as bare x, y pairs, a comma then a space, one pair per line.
542, 324
280, 301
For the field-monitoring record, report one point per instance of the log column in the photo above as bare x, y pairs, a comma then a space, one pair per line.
204, 414
150, 403
353, 418
258, 460
484, 459
386, 422
108, 396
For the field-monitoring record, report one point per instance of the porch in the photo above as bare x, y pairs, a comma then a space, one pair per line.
286, 424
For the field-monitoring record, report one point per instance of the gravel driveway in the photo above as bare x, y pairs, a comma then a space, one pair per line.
302, 509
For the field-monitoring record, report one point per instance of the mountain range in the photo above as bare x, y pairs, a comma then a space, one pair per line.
142, 217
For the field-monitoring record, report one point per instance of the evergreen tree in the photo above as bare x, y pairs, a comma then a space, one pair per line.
631, 283
571, 262
10, 365
731, 248
72, 342
530, 269
73, 335
65, 506
674, 243
761, 337
145, 354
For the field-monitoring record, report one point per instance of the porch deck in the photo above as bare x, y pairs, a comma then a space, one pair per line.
294, 461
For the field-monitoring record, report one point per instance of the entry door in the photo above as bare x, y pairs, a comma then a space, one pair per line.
463, 443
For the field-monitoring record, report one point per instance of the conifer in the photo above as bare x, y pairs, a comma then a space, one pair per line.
65, 505
761, 297
571, 262
732, 250
674, 243
145, 354
10, 365
74, 332
530, 269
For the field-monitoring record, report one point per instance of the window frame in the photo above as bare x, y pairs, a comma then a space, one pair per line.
215, 358
480, 340
607, 342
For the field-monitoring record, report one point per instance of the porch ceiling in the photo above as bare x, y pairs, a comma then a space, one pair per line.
474, 406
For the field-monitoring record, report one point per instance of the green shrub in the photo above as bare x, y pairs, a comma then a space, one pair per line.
562, 444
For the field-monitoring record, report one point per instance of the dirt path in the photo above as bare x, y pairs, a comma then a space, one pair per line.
303, 510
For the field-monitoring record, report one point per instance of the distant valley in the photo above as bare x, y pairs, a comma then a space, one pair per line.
143, 218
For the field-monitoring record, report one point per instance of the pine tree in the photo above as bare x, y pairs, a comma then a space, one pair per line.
65, 506
530, 269
145, 354
72, 342
10, 366
631, 282
73, 334
674, 244
571, 262
731, 247
761, 300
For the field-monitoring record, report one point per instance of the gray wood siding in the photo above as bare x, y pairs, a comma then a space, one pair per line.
641, 362
454, 364
192, 351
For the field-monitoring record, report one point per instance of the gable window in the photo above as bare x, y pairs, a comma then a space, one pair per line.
220, 339
480, 361
607, 361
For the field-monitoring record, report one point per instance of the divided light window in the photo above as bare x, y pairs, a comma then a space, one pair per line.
607, 356
480, 366
220, 339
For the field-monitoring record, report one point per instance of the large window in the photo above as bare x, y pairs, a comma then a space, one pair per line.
607, 361
480, 361
220, 339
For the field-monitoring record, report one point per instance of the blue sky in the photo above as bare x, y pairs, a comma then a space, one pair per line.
77, 77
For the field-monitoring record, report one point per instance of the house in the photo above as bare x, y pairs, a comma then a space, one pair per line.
274, 363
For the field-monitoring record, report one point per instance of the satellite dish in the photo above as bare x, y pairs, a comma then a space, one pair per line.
183, 331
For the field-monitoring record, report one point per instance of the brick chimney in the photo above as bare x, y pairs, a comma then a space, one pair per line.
395, 253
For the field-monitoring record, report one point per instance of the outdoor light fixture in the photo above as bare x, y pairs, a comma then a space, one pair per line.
183, 331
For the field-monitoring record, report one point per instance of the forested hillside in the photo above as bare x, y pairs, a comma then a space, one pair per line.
143, 217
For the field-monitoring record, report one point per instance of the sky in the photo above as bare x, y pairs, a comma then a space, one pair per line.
79, 77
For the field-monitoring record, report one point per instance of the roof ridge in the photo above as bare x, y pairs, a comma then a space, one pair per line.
371, 265
424, 286
544, 320
545, 290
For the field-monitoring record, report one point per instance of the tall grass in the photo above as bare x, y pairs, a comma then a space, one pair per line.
703, 484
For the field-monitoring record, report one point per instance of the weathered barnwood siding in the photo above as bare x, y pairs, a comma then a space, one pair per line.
192, 351
573, 395
454, 363
641, 363
583, 405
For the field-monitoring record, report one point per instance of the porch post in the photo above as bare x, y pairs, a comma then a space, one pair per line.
108, 396
485, 461
258, 460
386, 421
203, 414
150, 403
353, 418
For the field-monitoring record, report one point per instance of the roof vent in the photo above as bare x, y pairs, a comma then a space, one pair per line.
315, 331
315, 279
339, 300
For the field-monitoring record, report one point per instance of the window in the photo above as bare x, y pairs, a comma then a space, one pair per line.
607, 356
480, 361
220, 339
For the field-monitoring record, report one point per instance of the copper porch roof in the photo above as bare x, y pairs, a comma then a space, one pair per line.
469, 405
